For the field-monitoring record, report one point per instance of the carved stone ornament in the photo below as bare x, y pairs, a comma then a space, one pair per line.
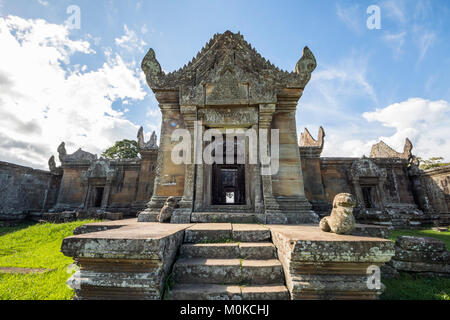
366, 168
78, 155
228, 70
99, 169
382, 150
150, 145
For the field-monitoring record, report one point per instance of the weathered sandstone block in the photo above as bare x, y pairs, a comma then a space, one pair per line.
129, 262
320, 265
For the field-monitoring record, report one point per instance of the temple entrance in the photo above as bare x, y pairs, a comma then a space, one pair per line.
228, 185
98, 197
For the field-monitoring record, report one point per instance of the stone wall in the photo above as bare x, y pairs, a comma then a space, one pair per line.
437, 185
324, 178
420, 256
25, 190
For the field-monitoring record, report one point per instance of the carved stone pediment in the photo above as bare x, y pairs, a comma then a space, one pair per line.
146, 146
99, 169
310, 147
79, 155
382, 150
365, 168
228, 71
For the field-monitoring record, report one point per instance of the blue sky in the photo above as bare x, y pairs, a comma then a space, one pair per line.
87, 88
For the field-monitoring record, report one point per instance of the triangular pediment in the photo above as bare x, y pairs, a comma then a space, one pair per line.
228, 53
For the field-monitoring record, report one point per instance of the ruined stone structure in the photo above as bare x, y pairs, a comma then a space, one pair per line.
119, 185
228, 85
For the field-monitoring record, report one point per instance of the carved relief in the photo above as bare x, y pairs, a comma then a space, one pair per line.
230, 116
228, 68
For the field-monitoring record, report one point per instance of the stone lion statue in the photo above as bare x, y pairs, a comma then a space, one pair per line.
166, 211
341, 220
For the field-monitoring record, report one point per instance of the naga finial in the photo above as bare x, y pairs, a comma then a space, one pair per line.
62, 151
152, 69
306, 65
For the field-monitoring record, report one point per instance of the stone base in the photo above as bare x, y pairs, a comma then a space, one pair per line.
290, 210
148, 216
129, 262
322, 265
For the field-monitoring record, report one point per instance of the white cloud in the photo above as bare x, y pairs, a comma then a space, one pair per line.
43, 2
42, 103
425, 122
130, 41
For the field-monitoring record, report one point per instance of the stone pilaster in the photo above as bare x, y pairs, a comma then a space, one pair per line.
287, 184
183, 213
271, 207
169, 178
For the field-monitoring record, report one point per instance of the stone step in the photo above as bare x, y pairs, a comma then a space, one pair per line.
226, 232
228, 271
245, 250
228, 292
225, 217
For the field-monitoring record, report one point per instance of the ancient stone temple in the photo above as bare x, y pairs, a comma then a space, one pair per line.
229, 85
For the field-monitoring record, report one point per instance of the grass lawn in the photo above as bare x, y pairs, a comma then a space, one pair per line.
409, 287
36, 246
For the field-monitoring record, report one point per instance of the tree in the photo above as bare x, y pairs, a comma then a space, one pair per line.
433, 162
125, 149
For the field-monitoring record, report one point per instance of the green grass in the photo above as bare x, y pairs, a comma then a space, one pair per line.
36, 246
410, 287
443, 236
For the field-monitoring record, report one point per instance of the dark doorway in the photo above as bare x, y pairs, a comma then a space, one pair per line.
228, 185
98, 197
368, 197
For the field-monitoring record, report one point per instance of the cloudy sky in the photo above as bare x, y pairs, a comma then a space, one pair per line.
84, 86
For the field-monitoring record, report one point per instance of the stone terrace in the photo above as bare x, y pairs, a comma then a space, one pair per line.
125, 259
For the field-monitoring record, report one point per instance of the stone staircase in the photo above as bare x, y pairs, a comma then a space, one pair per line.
228, 261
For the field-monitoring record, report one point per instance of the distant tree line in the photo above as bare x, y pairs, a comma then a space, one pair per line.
433, 162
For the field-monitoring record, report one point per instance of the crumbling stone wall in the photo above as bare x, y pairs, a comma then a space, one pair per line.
419, 255
437, 185
24, 190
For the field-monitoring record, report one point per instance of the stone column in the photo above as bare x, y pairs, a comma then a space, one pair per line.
259, 201
287, 184
169, 178
183, 213
199, 178
271, 208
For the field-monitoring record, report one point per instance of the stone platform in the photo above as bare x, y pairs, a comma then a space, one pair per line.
130, 260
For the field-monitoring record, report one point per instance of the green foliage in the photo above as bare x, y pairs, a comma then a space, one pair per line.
443, 236
434, 162
36, 246
125, 149
409, 287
